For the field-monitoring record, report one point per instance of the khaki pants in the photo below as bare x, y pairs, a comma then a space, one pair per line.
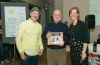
56, 57
68, 58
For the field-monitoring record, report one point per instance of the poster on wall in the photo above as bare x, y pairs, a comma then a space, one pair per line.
12, 14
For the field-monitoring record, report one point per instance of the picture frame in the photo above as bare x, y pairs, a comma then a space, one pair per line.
55, 38
12, 14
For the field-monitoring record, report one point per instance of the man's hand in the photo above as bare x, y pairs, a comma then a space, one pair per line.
48, 34
41, 52
61, 45
23, 56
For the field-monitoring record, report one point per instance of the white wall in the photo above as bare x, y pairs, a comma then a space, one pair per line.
59, 5
94, 33
83, 6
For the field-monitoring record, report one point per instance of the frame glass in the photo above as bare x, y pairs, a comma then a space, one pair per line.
55, 38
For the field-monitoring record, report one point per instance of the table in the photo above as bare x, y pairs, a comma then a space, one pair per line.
96, 54
91, 48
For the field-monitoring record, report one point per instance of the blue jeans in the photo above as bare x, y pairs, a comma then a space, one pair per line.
30, 60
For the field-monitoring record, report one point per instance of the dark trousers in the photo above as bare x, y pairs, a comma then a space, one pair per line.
30, 60
4, 53
1, 52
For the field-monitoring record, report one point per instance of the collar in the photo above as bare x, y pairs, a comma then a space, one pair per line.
31, 21
57, 23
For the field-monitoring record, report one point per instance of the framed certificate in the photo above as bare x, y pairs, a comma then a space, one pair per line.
55, 38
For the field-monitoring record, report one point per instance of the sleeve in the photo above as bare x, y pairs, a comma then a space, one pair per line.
85, 34
45, 32
40, 39
19, 39
66, 35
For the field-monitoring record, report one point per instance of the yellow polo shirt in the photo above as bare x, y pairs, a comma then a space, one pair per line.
28, 38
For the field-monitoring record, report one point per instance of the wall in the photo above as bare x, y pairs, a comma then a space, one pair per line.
94, 33
83, 6
35, 2
59, 5
51, 7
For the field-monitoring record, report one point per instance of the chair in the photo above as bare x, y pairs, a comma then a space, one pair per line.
94, 61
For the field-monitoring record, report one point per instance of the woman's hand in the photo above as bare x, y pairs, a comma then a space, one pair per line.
83, 55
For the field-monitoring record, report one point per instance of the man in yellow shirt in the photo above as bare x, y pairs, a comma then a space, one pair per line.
28, 39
